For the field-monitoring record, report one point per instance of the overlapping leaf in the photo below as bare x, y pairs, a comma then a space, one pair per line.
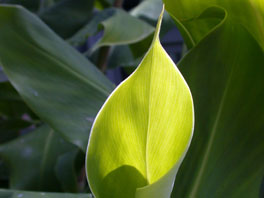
59, 84
195, 22
115, 33
142, 132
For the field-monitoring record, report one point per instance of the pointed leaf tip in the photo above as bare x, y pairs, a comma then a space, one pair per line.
157, 31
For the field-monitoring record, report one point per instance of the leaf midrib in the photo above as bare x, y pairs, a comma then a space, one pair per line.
45, 155
208, 148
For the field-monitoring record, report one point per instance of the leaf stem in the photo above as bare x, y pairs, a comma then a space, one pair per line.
105, 51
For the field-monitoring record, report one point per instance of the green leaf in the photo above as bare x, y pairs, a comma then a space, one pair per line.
65, 171
74, 13
25, 194
31, 159
225, 72
194, 26
135, 30
142, 132
62, 87
104, 3
122, 56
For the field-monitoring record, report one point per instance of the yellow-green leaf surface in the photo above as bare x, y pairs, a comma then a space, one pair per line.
142, 132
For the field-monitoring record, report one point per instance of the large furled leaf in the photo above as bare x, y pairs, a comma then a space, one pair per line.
66, 17
25, 194
58, 83
31, 159
225, 72
142, 132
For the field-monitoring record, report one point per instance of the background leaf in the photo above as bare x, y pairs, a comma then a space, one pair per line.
66, 170
61, 86
116, 34
73, 13
31, 159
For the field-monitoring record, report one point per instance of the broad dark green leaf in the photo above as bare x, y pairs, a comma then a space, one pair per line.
31, 159
58, 83
66, 17
25, 194
225, 72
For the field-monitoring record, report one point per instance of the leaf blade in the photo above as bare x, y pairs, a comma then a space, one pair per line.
129, 156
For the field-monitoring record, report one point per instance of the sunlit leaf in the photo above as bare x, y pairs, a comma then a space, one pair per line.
58, 83
142, 132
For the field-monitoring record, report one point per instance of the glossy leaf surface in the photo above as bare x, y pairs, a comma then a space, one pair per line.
224, 70
59, 84
142, 132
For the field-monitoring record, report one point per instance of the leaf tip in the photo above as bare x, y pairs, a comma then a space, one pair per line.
157, 31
